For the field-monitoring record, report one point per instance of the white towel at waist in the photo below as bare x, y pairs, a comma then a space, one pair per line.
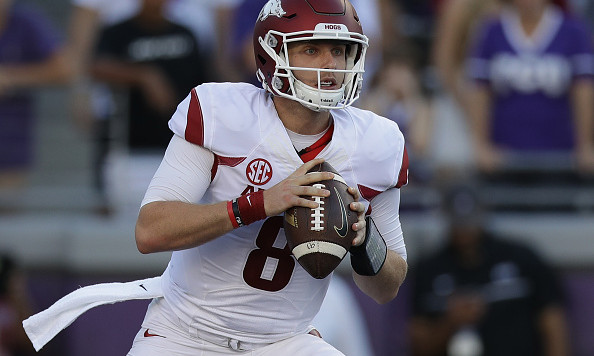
43, 326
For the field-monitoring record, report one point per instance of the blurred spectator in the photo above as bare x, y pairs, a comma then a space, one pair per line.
533, 68
395, 93
14, 307
92, 103
212, 22
30, 56
157, 62
410, 23
456, 24
208, 20
483, 295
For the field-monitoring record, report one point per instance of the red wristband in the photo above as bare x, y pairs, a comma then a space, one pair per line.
251, 207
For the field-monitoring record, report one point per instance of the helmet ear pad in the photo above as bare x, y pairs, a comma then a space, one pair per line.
273, 79
266, 50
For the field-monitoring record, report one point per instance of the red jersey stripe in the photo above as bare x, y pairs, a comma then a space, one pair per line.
223, 161
195, 124
403, 175
309, 153
367, 193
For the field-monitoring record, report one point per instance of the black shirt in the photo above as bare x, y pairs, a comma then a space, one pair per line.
514, 282
174, 50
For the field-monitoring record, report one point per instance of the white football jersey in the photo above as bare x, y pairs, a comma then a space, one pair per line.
246, 284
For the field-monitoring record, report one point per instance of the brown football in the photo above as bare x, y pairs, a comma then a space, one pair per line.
320, 238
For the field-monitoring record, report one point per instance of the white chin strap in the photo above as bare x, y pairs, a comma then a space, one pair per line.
317, 99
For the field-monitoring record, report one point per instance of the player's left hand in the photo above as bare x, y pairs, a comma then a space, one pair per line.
359, 208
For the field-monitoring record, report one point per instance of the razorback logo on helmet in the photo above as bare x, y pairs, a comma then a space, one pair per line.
259, 171
272, 7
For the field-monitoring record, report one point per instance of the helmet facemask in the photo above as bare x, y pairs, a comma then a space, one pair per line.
285, 84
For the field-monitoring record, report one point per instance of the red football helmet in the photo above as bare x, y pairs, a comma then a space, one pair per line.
283, 21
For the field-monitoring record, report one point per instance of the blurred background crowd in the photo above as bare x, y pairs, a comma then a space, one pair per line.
496, 102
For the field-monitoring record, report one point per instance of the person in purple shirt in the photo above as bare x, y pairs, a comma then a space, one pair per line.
533, 67
30, 56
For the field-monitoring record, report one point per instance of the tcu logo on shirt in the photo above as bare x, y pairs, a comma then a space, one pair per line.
259, 171
528, 74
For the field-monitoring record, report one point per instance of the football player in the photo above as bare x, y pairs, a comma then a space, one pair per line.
237, 160
533, 74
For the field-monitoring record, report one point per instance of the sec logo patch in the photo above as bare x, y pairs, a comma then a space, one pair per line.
259, 171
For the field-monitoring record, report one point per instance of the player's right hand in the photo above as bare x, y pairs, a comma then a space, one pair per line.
290, 191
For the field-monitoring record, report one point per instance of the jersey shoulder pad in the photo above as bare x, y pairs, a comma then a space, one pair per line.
380, 145
212, 107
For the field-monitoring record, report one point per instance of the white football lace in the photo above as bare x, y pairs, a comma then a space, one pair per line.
317, 214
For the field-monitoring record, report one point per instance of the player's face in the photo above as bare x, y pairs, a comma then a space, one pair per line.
319, 54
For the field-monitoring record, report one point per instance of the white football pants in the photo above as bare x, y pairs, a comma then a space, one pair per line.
160, 335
